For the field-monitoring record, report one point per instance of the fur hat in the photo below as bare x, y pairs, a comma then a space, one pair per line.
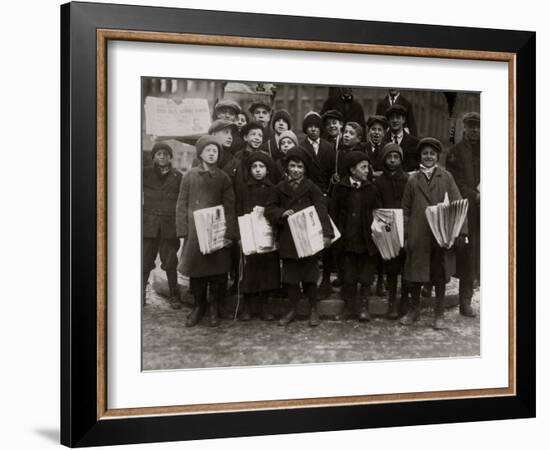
207, 140
161, 146
261, 156
297, 153
355, 157
431, 142
389, 148
471, 117
377, 119
257, 104
282, 114
251, 126
332, 114
221, 124
396, 109
228, 103
289, 134
312, 118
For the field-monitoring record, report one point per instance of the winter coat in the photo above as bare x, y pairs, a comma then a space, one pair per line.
464, 163
411, 159
160, 193
417, 197
384, 104
351, 209
390, 188
282, 198
203, 189
322, 164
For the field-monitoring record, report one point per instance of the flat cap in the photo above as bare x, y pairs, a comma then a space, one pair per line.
221, 124
471, 117
377, 119
430, 141
396, 109
228, 103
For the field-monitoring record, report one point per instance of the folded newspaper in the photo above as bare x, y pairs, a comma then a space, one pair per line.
307, 232
210, 226
387, 232
256, 233
446, 220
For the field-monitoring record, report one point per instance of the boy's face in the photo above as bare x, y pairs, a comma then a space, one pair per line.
393, 161
313, 132
241, 121
280, 125
226, 113
162, 158
262, 115
254, 138
333, 127
285, 144
350, 137
258, 170
471, 131
396, 122
376, 133
296, 169
210, 154
428, 156
360, 171
225, 136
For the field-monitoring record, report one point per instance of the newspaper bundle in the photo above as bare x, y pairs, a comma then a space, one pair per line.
387, 232
446, 220
210, 226
256, 233
307, 232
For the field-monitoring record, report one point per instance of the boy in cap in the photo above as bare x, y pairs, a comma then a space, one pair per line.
229, 110
225, 130
397, 116
395, 97
426, 262
333, 122
390, 187
281, 122
161, 185
261, 113
343, 101
377, 127
464, 164
287, 141
205, 186
353, 200
290, 196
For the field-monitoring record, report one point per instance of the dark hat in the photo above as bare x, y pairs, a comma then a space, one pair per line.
297, 153
290, 135
282, 114
221, 124
354, 157
332, 114
261, 156
207, 140
377, 119
228, 103
312, 118
396, 109
388, 148
161, 146
251, 126
358, 128
257, 104
431, 142
471, 117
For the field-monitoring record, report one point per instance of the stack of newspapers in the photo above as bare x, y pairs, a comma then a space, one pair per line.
446, 220
307, 232
256, 233
387, 232
210, 225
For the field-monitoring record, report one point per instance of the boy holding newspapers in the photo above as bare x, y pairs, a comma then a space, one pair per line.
285, 210
205, 221
430, 196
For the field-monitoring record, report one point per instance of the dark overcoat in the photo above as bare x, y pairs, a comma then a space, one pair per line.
322, 164
160, 193
464, 164
282, 198
351, 209
351, 110
409, 144
390, 188
201, 189
418, 195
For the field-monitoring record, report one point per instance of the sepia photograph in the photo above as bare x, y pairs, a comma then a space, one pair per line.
298, 223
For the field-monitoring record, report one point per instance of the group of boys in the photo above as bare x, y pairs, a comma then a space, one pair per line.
340, 168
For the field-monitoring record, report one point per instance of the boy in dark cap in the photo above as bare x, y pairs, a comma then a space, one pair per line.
161, 185
261, 113
343, 101
230, 110
390, 187
290, 196
225, 130
464, 164
395, 97
333, 122
353, 200
377, 127
281, 122
397, 116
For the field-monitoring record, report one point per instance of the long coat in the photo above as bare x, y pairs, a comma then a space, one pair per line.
411, 158
203, 189
322, 164
417, 197
390, 188
282, 198
464, 163
384, 104
160, 193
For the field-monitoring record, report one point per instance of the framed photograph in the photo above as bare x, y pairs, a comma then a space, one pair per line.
274, 224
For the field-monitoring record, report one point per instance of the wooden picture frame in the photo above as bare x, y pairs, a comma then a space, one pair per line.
85, 416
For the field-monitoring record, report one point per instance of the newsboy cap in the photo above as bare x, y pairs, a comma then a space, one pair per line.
471, 117
377, 119
257, 104
431, 142
396, 109
332, 114
221, 124
228, 103
161, 146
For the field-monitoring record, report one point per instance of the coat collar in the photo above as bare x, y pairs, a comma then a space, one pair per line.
423, 185
303, 188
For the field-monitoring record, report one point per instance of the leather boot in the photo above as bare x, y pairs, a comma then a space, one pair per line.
413, 314
265, 313
465, 307
314, 316
439, 312
364, 315
197, 312
289, 316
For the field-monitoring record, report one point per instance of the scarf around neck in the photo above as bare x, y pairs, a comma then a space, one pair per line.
428, 172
